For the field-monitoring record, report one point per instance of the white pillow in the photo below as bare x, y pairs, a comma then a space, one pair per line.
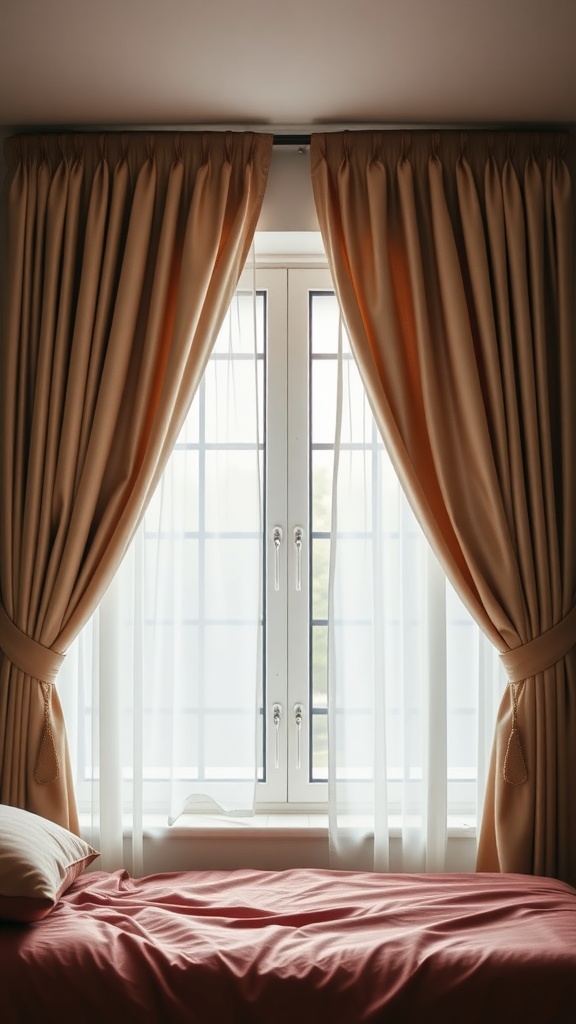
39, 860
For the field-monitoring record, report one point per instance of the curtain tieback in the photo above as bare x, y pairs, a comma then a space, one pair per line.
542, 652
522, 663
28, 655
41, 663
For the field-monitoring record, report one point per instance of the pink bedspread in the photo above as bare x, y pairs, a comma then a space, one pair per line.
296, 947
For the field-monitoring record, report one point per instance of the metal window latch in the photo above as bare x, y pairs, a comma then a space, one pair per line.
298, 715
276, 719
298, 536
277, 538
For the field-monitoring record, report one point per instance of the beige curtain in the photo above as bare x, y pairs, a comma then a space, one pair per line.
453, 259
122, 254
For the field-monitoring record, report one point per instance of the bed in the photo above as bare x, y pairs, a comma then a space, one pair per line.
288, 947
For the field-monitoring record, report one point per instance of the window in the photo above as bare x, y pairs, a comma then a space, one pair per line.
222, 605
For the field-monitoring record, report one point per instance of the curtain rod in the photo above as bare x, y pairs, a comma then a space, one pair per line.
291, 140
301, 139
294, 135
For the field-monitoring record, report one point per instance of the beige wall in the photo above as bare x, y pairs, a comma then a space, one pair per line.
289, 202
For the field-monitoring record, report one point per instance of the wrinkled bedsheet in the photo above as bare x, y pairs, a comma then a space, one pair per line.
292, 947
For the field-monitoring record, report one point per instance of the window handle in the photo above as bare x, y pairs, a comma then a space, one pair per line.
277, 538
276, 718
298, 713
298, 535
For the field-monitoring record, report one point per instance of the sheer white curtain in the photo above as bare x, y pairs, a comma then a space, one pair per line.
414, 686
162, 688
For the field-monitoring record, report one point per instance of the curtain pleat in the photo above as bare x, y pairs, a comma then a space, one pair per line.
122, 254
453, 259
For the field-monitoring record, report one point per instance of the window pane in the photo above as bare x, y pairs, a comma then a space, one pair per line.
324, 319
232, 578
233, 412
247, 311
319, 771
321, 561
322, 468
171, 572
175, 503
320, 666
232, 495
323, 410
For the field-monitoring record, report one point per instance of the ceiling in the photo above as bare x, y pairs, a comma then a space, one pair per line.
286, 63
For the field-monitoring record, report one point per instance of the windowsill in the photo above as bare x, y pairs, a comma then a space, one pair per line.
277, 826
271, 841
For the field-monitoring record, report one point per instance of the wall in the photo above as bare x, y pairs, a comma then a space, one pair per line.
289, 203
277, 849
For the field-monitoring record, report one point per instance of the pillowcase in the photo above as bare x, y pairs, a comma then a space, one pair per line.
39, 860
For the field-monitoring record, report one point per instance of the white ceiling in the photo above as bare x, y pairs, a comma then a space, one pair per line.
286, 63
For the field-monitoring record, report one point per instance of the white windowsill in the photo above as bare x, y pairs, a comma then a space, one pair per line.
274, 826
270, 841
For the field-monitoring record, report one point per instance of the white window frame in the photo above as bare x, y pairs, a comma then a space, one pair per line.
287, 784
